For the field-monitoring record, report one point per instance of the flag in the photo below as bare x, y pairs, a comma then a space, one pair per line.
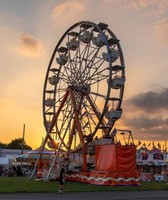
139, 143
159, 145
153, 144
144, 144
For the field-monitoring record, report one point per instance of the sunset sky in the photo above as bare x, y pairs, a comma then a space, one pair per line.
29, 32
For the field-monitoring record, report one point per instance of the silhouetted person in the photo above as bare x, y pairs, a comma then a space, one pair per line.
19, 171
61, 181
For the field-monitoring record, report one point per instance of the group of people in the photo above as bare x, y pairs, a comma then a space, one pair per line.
11, 171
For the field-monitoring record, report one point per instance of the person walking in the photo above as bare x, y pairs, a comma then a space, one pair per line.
61, 181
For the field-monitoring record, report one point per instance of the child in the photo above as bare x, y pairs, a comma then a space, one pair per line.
61, 181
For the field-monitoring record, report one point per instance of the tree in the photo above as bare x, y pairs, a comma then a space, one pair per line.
3, 146
18, 143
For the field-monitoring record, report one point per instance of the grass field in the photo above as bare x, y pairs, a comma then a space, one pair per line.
23, 185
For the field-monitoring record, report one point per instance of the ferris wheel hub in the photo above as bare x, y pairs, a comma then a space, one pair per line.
83, 88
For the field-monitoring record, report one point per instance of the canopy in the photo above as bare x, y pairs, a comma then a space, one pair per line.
142, 150
4, 161
155, 150
34, 154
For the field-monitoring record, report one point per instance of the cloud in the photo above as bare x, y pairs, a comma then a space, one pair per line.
139, 4
29, 45
151, 101
146, 115
143, 122
147, 127
67, 9
161, 31
158, 6
151, 8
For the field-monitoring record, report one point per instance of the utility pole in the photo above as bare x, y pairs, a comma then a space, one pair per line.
165, 145
23, 138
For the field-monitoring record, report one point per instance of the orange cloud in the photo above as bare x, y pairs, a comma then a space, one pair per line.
154, 8
161, 31
29, 46
67, 9
142, 4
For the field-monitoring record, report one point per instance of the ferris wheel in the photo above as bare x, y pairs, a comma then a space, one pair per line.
84, 86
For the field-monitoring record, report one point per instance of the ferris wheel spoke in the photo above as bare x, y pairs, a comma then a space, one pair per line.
97, 80
64, 75
82, 59
71, 65
59, 99
64, 79
96, 75
78, 59
61, 89
97, 94
88, 61
96, 72
70, 68
90, 64
84, 49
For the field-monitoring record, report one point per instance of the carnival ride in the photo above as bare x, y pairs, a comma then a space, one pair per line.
83, 93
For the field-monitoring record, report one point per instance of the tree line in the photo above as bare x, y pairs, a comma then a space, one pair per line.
18, 143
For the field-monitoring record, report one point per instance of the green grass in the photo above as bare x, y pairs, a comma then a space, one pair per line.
23, 185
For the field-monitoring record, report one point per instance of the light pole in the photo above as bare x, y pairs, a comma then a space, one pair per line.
23, 138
